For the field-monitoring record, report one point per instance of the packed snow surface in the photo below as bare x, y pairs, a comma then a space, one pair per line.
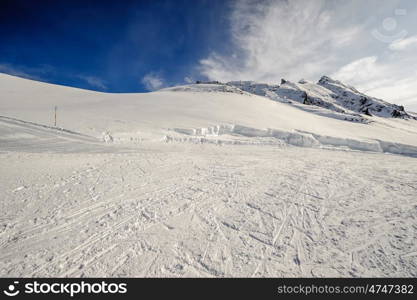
203, 180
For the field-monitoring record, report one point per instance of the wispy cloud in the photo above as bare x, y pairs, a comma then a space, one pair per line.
404, 44
307, 39
274, 39
34, 73
392, 78
152, 81
361, 71
188, 79
94, 82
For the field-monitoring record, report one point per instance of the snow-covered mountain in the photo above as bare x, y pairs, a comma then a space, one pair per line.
329, 94
352, 99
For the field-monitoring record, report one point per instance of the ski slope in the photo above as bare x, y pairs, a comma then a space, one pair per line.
200, 181
152, 116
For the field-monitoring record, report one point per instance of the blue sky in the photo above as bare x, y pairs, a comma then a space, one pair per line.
136, 46
110, 45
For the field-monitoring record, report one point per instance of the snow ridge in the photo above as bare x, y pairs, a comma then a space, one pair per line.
295, 138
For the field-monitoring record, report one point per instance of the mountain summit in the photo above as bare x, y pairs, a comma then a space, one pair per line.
329, 94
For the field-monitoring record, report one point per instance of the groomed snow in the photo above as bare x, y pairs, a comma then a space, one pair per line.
199, 181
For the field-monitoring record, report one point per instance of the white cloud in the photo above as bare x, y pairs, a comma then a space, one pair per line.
7, 69
404, 44
153, 81
25, 72
360, 71
188, 79
94, 81
274, 39
392, 78
307, 39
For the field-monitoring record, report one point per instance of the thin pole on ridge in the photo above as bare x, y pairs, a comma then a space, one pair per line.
56, 108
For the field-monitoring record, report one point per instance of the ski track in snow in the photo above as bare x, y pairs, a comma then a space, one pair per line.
180, 210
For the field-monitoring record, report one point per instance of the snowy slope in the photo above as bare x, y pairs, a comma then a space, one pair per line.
204, 180
22, 136
190, 110
206, 211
